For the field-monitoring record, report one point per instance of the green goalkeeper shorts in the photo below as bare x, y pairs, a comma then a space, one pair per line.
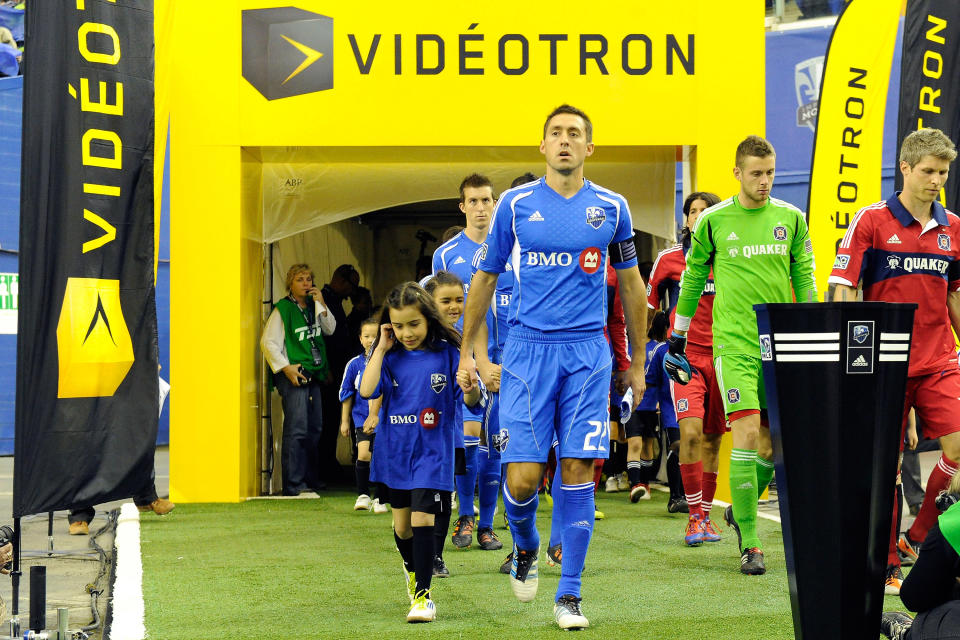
740, 378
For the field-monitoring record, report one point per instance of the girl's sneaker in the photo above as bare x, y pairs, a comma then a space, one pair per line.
422, 609
379, 507
362, 503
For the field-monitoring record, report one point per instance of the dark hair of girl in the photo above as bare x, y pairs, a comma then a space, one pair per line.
410, 293
442, 279
710, 198
659, 326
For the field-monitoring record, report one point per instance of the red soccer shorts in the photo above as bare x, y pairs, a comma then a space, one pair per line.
936, 397
701, 395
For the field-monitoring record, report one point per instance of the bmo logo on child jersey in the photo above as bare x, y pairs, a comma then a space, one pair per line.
590, 260
429, 418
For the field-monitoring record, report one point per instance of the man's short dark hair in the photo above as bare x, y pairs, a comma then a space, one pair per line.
754, 146
524, 179
566, 108
475, 181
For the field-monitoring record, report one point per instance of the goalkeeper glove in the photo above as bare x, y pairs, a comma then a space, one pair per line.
675, 363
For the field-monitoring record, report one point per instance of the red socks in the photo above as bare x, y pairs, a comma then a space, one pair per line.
692, 475
938, 481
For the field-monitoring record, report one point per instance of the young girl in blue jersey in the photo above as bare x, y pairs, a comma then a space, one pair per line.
364, 415
447, 291
644, 425
413, 367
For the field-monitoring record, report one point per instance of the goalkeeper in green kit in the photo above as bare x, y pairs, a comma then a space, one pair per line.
760, 251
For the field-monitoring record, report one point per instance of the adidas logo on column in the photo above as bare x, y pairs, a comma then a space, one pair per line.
860, 362
893, 239
536, 217
732, 236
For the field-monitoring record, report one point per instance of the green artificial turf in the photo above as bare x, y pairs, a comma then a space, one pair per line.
317, 569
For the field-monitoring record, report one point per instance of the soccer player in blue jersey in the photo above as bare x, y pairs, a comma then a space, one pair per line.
557, 234
412, 367
477, 200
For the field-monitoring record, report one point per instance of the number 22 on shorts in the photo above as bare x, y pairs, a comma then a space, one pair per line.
599, 434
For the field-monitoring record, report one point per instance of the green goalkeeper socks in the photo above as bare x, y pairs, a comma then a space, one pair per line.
764, 474
743, 489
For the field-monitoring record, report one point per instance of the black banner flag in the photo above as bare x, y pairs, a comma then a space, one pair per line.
930, 77
87, 386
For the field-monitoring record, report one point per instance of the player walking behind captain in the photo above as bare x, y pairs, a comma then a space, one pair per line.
698, 404
907, 249
556, 233
760, 252
412, 368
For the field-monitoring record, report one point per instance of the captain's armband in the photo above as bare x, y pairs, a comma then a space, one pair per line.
623, 251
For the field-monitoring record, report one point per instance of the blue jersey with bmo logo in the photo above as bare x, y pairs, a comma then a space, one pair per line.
556, 360
557, 248
416, 434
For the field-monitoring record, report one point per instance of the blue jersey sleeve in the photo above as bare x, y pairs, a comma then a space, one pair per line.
347, 388
437, 261
385, 382
495, 251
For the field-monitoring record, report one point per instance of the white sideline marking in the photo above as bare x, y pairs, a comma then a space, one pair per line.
127, 590
721, 503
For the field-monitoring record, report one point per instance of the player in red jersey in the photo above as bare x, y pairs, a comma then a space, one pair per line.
907, 249
698, 404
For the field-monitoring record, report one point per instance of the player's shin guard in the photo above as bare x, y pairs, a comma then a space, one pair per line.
423, 546
764, 474
362, 469
893, 559
522, 516
692, 474
558, 519
743, 489
673, 464
938, 481
468, 481
405, 547
578, 520
489, 486
709, 484
441, 528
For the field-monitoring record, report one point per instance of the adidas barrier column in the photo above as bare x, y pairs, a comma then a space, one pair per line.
835, 376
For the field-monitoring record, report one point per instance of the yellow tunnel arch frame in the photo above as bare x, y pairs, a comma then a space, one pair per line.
411, 76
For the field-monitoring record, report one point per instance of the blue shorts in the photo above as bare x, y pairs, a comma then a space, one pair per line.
474, 413
555, 387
